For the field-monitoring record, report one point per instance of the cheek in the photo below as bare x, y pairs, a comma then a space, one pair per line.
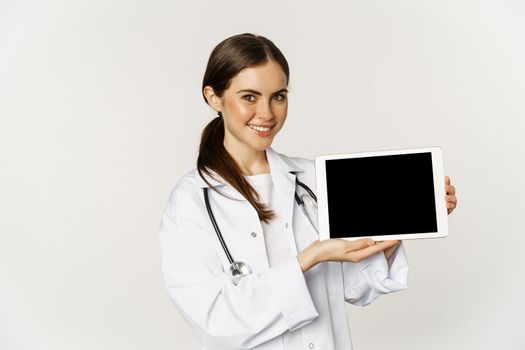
239, 111
281, 111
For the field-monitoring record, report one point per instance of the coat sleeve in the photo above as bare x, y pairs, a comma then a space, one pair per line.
374, 276
221, 314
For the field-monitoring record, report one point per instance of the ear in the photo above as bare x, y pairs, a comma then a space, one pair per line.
213, 100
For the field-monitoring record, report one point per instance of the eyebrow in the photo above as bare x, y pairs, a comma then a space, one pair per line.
258, 93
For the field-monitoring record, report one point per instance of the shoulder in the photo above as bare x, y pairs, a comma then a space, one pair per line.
188, 186
305, 169
184, 206
191, 179
297, 163
305, 163
185, 196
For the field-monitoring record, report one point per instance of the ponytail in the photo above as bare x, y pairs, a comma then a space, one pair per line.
213, 155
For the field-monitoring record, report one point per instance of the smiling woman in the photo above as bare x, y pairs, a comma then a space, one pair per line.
261, 108
246, 84
292, 294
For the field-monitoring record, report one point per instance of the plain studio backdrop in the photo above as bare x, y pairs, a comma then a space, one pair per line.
101, 113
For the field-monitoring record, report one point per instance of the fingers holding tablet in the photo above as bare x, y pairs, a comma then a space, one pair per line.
359, 254
343, 250
450, 197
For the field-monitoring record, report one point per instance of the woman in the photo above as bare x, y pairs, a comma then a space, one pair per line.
294, 297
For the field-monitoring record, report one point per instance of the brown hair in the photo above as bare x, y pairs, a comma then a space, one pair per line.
226, 60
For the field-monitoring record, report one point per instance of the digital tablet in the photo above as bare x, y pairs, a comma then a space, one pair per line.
383, 195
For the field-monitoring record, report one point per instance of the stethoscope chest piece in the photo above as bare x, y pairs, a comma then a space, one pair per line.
238, 270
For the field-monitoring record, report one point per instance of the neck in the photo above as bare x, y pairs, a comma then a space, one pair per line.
249, 160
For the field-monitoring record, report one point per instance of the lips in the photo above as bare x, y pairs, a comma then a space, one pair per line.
260, 127
260, 130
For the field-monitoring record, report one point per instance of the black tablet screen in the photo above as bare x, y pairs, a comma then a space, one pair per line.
381, 195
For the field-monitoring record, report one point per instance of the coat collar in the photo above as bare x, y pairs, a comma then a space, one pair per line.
279, 163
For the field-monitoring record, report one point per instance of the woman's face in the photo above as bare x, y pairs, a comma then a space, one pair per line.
255, 99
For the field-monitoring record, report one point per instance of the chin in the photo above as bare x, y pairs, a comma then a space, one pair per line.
262, 146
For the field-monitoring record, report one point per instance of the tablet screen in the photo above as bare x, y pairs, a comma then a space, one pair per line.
381, 195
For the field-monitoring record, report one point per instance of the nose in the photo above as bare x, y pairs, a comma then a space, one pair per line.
265, 111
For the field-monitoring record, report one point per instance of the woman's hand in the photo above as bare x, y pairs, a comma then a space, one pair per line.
450, 196
336, 249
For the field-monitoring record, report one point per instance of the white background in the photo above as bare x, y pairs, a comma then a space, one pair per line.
101, 112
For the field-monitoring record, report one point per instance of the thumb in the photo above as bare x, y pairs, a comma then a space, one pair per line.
363, 243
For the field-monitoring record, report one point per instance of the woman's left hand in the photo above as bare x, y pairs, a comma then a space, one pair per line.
450, 196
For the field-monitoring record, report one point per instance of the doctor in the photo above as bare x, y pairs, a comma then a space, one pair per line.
294, 298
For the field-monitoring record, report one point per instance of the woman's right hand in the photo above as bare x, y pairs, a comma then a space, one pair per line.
337, 249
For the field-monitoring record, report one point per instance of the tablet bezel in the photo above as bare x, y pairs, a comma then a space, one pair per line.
439, 192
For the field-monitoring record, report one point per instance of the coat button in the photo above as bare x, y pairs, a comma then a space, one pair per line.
254, 234
311, 345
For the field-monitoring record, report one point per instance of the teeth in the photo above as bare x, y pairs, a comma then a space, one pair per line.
259, 128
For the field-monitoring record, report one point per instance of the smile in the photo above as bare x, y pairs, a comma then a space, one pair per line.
260, 130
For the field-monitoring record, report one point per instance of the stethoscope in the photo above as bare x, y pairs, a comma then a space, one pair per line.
239, 269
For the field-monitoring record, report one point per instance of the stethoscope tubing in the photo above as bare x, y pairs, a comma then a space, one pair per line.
216, 227
218, 231
310, 192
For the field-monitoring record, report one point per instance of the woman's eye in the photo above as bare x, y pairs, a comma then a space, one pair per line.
279, 97
249, 98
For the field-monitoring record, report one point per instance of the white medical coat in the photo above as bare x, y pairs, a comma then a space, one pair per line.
270, 301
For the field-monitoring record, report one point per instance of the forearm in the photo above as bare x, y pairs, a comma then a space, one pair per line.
309, 257
206, 296
306, 260
372, 277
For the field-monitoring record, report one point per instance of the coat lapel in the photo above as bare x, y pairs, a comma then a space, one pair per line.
237, 219
283, 170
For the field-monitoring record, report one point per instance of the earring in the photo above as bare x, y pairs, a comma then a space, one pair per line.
219, 114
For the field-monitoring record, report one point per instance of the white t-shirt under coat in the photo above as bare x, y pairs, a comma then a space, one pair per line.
277, 244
